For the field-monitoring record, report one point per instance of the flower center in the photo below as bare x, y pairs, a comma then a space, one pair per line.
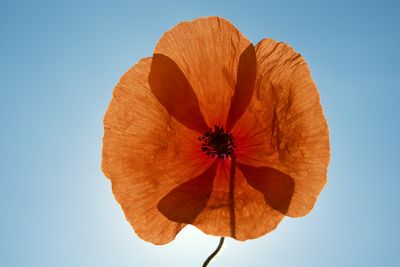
218, 143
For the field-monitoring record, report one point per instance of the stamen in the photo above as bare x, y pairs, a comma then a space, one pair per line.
218, 143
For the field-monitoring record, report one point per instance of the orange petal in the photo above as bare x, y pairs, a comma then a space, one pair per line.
207, 51
276, 186
185, 202
172, 89
284, 127
235, 208
246, 77
144, 156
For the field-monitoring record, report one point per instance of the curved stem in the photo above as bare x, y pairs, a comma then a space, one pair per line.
221, 242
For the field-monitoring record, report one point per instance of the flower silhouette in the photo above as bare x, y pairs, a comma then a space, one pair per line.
214, 132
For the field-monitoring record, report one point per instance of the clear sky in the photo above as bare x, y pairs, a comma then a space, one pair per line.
59, 62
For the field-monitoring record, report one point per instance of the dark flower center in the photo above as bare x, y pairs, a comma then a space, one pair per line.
218, 143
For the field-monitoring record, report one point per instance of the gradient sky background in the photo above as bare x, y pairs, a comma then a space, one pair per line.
59, 62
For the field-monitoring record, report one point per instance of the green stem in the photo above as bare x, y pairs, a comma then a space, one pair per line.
221, 242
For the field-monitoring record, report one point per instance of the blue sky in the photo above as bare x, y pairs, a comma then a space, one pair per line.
59, 62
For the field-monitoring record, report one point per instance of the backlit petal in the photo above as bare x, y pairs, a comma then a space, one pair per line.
185, 202
207, 51
284, 127
242, 214
144, 155
276, 186
246, 77
172, 89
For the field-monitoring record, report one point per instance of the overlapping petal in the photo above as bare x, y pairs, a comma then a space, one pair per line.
173, 91
207, 51
284, 127
186, 201
144, 156
235, 208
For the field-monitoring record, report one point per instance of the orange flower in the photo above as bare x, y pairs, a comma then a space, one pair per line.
214, 132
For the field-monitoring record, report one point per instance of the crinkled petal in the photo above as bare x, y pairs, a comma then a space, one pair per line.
284, 127
185, 202
246, 77
235, 208
146, 154
174, 92
276, 186
207, 51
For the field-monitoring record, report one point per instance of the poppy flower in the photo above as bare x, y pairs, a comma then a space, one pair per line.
217, 133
